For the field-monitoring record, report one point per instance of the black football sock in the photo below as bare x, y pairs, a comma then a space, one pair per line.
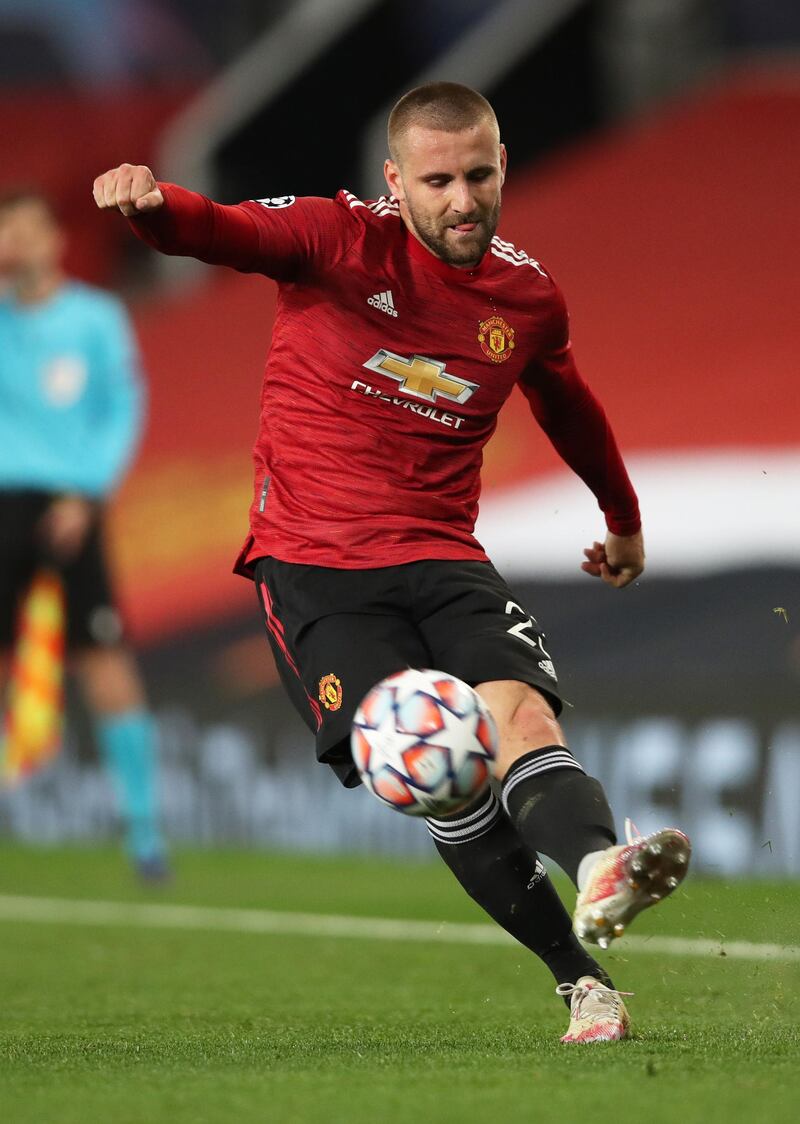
488, 858
556, 808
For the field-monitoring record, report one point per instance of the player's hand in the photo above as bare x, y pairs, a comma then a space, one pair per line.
130, 188
618, 561
64, 526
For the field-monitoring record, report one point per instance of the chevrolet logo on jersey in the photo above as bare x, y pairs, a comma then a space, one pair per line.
424, 378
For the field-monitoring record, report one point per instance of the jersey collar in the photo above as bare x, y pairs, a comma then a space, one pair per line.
435, 265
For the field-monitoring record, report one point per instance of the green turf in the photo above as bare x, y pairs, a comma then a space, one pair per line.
107, 1024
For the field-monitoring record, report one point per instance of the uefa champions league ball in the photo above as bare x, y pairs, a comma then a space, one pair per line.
423, 743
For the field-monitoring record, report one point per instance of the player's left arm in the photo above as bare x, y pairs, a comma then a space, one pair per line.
576, 424
618, 561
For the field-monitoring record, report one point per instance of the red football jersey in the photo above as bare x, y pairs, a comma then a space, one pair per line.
385, 377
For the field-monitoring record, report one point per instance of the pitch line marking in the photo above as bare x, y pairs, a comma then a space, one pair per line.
66, 911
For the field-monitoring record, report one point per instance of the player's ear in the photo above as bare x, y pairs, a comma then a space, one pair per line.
394, 180
503, 163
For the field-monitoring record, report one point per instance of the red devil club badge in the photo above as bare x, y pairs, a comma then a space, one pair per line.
496, 338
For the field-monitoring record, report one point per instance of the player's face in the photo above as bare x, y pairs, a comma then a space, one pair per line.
30, 241
448, 186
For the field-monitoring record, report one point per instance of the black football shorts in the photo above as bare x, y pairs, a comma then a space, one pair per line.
336, 633
93, 619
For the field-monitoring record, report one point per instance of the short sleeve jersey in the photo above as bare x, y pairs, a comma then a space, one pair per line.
385, 376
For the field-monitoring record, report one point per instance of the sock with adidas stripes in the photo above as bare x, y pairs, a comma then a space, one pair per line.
556, 808
484, 852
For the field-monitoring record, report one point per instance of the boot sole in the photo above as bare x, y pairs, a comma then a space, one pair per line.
652, 872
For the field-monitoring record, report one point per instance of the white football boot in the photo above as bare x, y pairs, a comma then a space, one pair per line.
596, 1013
627, 879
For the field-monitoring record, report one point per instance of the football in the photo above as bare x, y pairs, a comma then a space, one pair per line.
423, 743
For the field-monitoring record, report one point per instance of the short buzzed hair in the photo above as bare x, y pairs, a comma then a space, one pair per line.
447, 106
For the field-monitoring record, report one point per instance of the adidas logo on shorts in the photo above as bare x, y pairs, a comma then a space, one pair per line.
384, 302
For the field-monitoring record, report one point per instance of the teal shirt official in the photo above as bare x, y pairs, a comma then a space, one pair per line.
71, 393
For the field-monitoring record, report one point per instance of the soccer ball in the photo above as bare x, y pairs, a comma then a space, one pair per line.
423, 743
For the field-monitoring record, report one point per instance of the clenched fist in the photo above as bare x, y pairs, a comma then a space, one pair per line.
129, 188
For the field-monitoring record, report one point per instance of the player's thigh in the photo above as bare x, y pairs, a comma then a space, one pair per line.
328, 661
479, 630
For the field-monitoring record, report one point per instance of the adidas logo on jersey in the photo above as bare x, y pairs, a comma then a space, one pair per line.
384, 302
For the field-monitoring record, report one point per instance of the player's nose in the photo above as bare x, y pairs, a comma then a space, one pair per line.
461, 198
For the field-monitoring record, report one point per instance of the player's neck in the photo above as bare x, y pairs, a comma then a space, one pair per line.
431, 262
408, 222
38, 286
467, 267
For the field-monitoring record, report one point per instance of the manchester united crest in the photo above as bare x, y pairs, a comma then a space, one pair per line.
496, 338
330, 692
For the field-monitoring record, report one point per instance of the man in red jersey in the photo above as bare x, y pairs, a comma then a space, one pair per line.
402, 327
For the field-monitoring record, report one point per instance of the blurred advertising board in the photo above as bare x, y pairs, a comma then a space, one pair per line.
684, 721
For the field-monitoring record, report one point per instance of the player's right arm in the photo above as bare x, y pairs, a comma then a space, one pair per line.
180, 222
279, 238
133, 190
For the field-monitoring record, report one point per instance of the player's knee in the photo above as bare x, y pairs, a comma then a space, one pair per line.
522, 714
532, 717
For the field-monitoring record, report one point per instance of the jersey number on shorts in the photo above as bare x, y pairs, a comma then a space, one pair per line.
518, 629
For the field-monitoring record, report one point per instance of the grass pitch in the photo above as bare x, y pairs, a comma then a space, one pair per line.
111, 1023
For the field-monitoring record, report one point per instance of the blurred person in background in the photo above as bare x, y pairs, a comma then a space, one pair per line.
71, 399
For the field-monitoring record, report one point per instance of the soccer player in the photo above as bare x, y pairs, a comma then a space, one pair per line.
402, 327
70, 415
